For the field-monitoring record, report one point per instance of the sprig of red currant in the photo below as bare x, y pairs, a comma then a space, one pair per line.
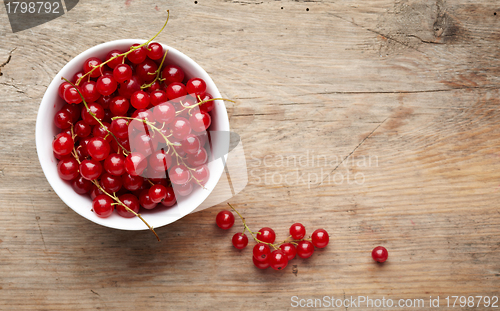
283, 251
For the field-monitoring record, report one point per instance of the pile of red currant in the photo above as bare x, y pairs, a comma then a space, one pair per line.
133, 131
281, 253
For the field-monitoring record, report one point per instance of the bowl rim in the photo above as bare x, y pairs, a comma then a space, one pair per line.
46, 103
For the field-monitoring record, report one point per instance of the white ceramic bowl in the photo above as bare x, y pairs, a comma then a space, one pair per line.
82, 204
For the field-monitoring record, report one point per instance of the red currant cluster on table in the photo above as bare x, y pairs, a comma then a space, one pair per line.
267, 253
133, 131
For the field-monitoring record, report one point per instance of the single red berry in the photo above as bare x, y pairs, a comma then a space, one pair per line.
146, 71
196, 87
138, 55
380, 254
74, 111
111, 183
89, 65
140, 100
201, 174
129, 87
145, 200
157, 97
63, 119
183, 190
119, 127
132, 183
131, 202
260, 264
172, 74
82, 129
155, 50
224, 219
208, 104
106, 85
90, 169
176, 92
115, 61
160, 160
320, 238
170, 198
119, 106
122, 73
115, 164
181, 128
261, 252
96, 109
179, 174
297, 231
157, 193
135, 163
81, 185
164, 113
289, 250
63, 144
191, 144
68, 168
63, 88
305, 249
98, 148
200, 121
197, 159
89, 91
94, 192
77, 77
71, 95
102, 205
267, 235
240, 240
278, 260
104, 101
142, 114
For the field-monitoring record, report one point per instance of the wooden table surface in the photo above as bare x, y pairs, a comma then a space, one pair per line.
391, 106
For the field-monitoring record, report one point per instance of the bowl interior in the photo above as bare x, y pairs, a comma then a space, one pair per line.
82, 204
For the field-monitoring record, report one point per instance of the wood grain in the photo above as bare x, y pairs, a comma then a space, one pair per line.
411, 85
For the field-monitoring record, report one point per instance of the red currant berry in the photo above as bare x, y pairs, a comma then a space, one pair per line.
224, 219
380, 254
94, 192
81, 185
89, 91
63, 88
179, 174
267, 235
111, 183
119, 127
170, 198
320, 238
90, 169
160, 160
157, 193
145, 200
240, 240
157, 97
146, 71
98, 112
132, 183
74, 111
62, 144
297, 231
119, 106
98, 148
278, 260
196, 87
140, 100
144, 144
172, 74
200, 121
164, 113
62, 119
106, 85
155, 50
71, 95
68, 168
122, 73
104, 101
89, 65
261, 264
305, 249
135, 163
201, 175
82, 129
129, 87
141, 114
115, 61
184, 190
102, 205
208, 104
197, 159
289, 250
131, 202
181, 128
115, 164
138, 55
176, 92
261, 252
191, 144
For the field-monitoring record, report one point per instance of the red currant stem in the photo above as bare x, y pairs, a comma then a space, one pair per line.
125, 151
251, 232
149, 181
118, 202
124, 55
157, 73
201, 103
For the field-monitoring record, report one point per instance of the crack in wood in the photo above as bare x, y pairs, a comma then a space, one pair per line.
7, 61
